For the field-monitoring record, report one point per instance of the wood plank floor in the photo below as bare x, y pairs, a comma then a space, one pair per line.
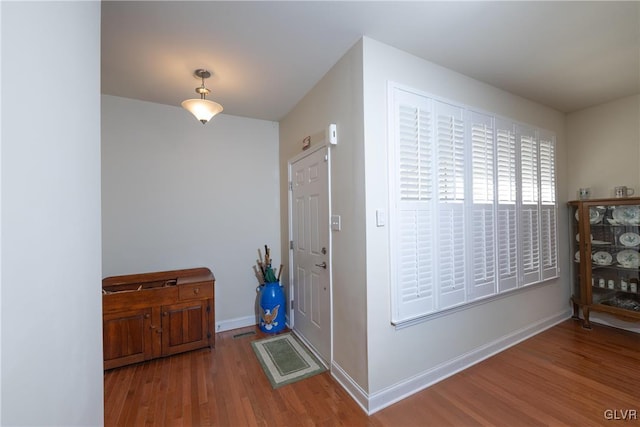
565, 376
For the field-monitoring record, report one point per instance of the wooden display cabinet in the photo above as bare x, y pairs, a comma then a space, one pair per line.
605, 242
153, 315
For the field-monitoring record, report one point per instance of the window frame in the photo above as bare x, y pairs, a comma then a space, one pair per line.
401, 315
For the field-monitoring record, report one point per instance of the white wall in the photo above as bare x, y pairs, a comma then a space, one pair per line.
377, 363
604, 151
604, 147
402, 361
51, 299
337, 98
179, 194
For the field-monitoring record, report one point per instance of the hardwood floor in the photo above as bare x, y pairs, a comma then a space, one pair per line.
563, 376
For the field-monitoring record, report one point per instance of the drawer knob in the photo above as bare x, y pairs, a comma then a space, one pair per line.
196, 291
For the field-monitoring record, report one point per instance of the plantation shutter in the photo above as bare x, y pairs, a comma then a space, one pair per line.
473, 205
548, 243
414, 154
483, 232
451, 219
530, 216
507, 218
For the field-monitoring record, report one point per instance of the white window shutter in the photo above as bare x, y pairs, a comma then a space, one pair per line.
483, 229
529, 164
415, 279
415, 152
473, 205
482, 157
451, 255
549, 240
530, 244
451, 220
547, 169
506, 160
414, 189
450, 141
530, 212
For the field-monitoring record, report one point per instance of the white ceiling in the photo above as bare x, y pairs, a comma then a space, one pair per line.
265, 56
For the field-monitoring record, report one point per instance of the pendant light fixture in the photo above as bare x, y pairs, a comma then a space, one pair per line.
202, 108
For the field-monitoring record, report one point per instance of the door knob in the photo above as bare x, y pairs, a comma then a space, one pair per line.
323, 265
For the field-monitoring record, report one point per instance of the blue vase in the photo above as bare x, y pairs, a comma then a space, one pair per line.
272, 308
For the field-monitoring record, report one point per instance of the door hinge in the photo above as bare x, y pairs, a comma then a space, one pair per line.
208, 308
292, 304
208, 334
290, 244
290, 185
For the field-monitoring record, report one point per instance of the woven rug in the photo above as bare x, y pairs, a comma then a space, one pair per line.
285, 359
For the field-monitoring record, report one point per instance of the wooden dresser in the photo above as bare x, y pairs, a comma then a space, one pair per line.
158, 314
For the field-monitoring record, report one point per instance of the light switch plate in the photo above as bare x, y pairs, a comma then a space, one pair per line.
336, 223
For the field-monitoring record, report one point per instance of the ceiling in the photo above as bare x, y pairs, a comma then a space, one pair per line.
265, 56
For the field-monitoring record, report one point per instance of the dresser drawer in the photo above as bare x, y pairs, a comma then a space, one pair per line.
195, 291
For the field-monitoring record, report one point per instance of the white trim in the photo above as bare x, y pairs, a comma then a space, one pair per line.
372, 403
238, 322
330, 249
350, 386
395, 85
291, 313
306, 153
0, 216
489, 298
291, 293
420, 304
401, 390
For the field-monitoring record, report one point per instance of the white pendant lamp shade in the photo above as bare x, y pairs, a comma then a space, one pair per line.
203, 109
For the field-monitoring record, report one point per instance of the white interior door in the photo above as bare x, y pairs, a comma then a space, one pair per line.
310, 250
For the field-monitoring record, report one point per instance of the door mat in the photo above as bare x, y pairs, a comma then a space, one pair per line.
285, 359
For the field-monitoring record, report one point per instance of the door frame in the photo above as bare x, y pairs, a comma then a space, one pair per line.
291, 295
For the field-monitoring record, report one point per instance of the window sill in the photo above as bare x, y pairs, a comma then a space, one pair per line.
469, 305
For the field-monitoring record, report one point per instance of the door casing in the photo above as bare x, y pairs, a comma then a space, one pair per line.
291, 294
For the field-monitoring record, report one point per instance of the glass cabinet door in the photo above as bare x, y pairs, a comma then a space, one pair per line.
606, 257
616, 259
576, 273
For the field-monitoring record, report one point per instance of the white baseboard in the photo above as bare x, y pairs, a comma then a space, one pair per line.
393, 394
351, 387
386, 397
238, 322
